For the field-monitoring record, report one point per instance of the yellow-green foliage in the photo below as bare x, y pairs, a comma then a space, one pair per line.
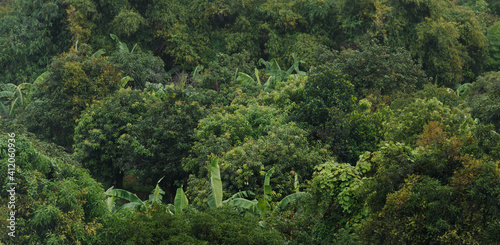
55, 200
75, 81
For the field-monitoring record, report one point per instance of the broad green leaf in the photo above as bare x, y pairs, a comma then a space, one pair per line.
180, 201
242, 203
291, 198
211, 201
41, 78
272, 80
263, 207
122, 47
197, 70
257, 76
133, 205
110, 203
242, 194
245, 78
125, 80
156, 195
170, 208
114, 37
216, 181
8, 87
267, 184
123, 194
6, 94
4, 110
97, 54
274, 66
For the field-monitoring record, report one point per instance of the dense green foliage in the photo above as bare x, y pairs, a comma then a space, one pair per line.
30, 34
149, 132
75, 80
251, 121
56, 201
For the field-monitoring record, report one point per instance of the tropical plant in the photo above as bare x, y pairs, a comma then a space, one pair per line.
275, 73
483, 97
135, 203
75, 80
260, 206
30, 35
13, 97
376, 68
55, 200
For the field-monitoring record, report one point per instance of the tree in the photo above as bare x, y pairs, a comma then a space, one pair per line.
376, 68
408, 122
250, 139
405, 193
142, 67
148, 132
55, 200
483, 97
493, 36
75, 80
30, 35
328, 94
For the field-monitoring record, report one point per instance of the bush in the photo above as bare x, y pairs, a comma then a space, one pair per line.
75, 81
55, 200
217, 226
145, 131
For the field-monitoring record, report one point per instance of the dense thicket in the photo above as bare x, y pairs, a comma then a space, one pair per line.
252, 121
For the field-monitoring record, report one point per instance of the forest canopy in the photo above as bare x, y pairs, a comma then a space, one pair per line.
250, 121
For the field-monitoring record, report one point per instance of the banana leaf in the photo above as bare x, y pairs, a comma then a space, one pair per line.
291, 198
267, 184
180, 201
157, 193
216, 182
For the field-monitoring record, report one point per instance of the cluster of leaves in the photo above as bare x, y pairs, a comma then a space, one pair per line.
379, 69
75, 80
30, 34
374, 147
484, 97
56, 202
251, 140
216, 226
146, 131
431, 193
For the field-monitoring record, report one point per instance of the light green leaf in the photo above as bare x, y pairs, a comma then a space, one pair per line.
267, 184
215, 180
156, 195
180, 201
291, 198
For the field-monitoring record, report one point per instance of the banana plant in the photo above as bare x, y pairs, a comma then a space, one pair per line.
294, 196
215, 199
275, 73
180, 202
122, 47
13, 97
247, 79
241, 200
134, 202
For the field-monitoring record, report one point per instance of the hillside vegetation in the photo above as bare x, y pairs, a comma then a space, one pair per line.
250, 122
